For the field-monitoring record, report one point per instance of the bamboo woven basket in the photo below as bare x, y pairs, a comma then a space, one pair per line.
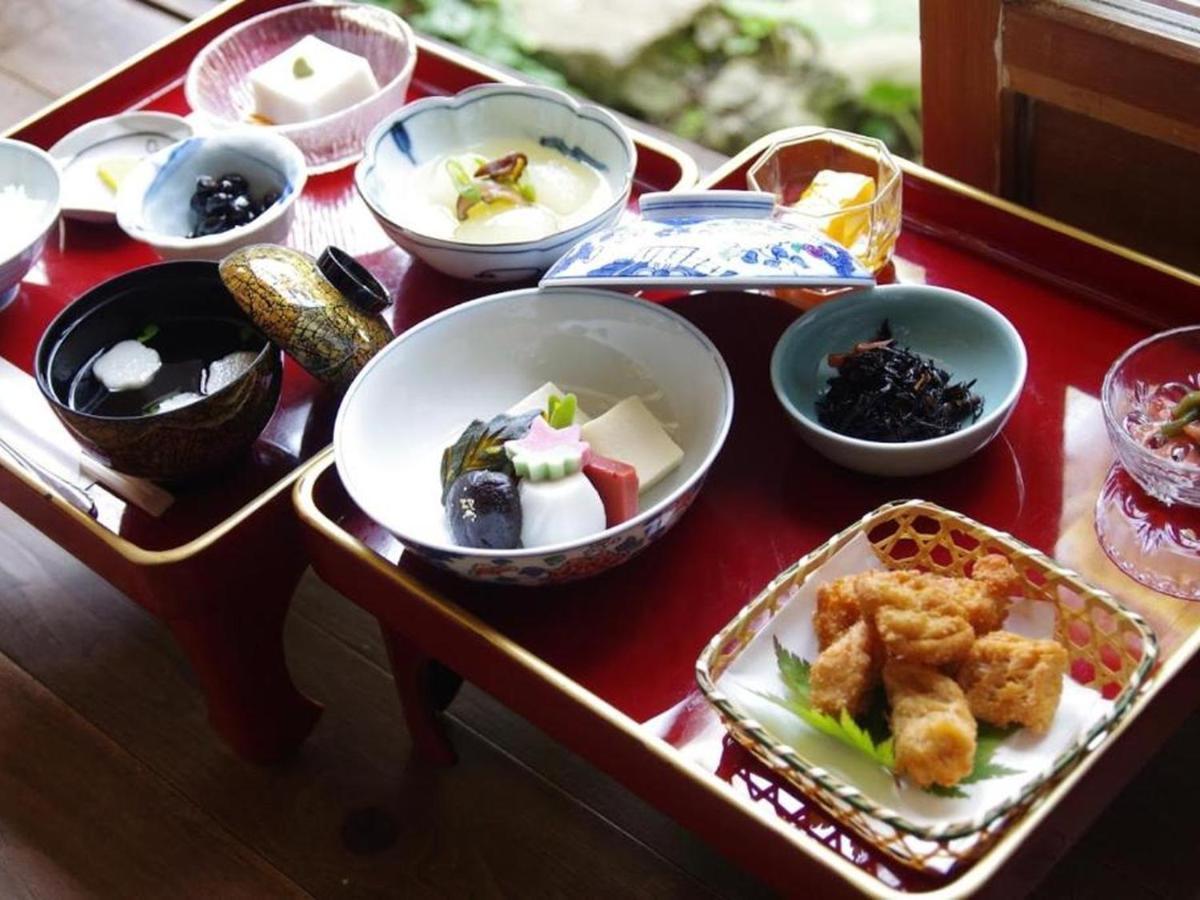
1110, 649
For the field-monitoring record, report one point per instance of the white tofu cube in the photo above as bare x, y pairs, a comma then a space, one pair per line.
629, 432
539, 398
309, 80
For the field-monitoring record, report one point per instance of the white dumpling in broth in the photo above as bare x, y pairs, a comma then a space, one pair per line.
127, 366
562, 185
554, 512
497, 223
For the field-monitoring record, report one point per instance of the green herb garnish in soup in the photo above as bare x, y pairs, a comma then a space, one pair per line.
501, 191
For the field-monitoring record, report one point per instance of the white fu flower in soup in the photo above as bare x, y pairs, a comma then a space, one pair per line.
227, 370
503, 191
127, 366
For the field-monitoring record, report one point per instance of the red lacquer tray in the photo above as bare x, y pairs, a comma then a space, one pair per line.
329, 212
606, 665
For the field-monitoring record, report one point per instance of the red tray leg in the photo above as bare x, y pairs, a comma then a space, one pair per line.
234, 641
426, 688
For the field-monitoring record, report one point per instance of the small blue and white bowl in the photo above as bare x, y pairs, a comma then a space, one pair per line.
30, 174
439, 126
479, 358
965, 336
154, 200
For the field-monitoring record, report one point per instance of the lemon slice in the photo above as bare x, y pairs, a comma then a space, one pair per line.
831, 191
113, 171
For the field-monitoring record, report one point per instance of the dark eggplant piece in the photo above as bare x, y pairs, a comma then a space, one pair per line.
484, 510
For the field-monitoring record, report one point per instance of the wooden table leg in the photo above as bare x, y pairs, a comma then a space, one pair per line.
426, 688
234, 642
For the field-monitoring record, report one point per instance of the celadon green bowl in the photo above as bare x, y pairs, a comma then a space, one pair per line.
960, 333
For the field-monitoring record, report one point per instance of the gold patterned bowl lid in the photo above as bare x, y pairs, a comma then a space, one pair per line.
324, 313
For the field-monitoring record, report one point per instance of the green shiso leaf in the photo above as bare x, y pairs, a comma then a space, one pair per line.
795, 674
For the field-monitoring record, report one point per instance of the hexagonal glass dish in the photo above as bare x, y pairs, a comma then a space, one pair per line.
787, 168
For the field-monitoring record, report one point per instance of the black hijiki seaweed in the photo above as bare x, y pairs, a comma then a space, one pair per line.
883, 392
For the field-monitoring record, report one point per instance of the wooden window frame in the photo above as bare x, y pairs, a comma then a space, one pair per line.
984, 60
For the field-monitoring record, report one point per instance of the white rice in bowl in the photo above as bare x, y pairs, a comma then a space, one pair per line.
24, 211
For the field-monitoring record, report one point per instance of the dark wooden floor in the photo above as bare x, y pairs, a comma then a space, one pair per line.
111, 784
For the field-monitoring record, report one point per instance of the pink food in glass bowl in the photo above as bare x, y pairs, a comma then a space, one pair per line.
1139, 396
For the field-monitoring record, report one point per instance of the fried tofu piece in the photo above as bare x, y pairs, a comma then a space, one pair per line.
846, 672
986, 595
983, 610
1009, 679
917, 616
837, 609
932, 725
998, 574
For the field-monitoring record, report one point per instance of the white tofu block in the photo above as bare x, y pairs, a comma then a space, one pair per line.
327, 80
539, 398
630, 433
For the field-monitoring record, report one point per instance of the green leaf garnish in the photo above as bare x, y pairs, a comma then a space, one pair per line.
795, 674
147, 333
481, 446
872, 739
560, 411
301, 68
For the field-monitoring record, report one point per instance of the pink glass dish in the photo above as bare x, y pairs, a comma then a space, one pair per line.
1148, 513
218, 87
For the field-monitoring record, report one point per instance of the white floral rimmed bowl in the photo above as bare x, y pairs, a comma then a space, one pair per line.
154, 200
963, 335
31, 171
478, 359
218, 88
436, 126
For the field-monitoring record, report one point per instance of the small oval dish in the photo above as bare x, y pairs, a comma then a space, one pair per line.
94, 158
707, 239
30, 188
218, 83
960, 334
170, 444
473, 360
154, 203
437, 127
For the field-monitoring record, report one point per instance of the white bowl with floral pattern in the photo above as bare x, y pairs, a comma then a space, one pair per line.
478, 359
